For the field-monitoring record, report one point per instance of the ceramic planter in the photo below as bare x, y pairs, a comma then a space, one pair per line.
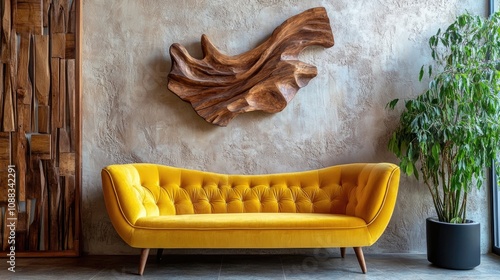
453, 246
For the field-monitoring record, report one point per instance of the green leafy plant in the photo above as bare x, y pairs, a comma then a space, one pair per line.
450, 133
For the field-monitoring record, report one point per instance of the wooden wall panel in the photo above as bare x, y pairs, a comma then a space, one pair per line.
40, 124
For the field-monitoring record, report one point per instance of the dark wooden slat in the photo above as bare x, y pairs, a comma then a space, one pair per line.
69, 197
4, 163
22, 231
55, 123
45, 223
54, 191
2, 90
38, 181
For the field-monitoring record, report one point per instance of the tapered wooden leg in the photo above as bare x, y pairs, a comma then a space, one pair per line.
144, 259
159, 253
361, 258
342, 252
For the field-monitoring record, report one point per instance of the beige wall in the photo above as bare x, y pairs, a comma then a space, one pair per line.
130, 116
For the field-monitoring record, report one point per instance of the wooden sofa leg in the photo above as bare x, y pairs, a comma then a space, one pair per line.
361, 258
342, 252
144, 259
159, 254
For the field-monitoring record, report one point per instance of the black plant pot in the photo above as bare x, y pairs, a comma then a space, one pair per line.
453, 246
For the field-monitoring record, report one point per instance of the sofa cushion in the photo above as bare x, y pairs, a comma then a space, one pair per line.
249, 221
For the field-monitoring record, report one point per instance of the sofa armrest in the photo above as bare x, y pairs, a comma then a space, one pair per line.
374, 198
125, 198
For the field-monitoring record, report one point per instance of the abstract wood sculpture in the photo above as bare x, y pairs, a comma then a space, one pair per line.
219, 87
40, 126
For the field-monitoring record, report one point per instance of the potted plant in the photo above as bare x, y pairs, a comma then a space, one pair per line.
450, 133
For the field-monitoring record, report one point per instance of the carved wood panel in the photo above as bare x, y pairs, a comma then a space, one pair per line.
220, 87
40, 126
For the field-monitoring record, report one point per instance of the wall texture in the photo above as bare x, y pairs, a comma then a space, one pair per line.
340, 117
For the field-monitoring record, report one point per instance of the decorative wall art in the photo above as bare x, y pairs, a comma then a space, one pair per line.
40, 127
220, 87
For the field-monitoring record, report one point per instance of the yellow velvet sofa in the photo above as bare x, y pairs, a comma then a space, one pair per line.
157, 206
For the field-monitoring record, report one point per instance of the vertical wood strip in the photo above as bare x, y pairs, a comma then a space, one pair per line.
19, 159
42, 77
45, 224
2, 89
54, 63
38, 181
44, 119
46, 6
24, 87
8, 112
62, 93
2, 227
6, 30
4, 163
55, 104
70, 212
58, 14
78, 177
72, 19
71, 92
54, 191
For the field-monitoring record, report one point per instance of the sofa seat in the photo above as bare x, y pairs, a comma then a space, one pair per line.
252, 221
251, 230
154, 206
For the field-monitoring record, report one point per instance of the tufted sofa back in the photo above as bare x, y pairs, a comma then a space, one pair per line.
153, 190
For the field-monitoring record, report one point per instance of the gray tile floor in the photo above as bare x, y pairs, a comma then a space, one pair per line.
317, 265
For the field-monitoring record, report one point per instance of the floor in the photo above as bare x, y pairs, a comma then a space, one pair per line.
318, 265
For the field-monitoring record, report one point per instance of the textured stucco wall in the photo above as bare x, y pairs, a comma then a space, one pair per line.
130, 116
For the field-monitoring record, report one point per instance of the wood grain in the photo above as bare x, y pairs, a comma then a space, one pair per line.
59, 14
4, 163
6, 31
62, 93
19, 156
42, 70
8, 104
40, 122
41, 146
220, 87
71, 100
28, 16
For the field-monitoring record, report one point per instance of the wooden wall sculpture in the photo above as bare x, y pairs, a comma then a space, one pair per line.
219, 87
40, 126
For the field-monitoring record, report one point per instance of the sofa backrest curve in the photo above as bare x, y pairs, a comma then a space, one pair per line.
150, 190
